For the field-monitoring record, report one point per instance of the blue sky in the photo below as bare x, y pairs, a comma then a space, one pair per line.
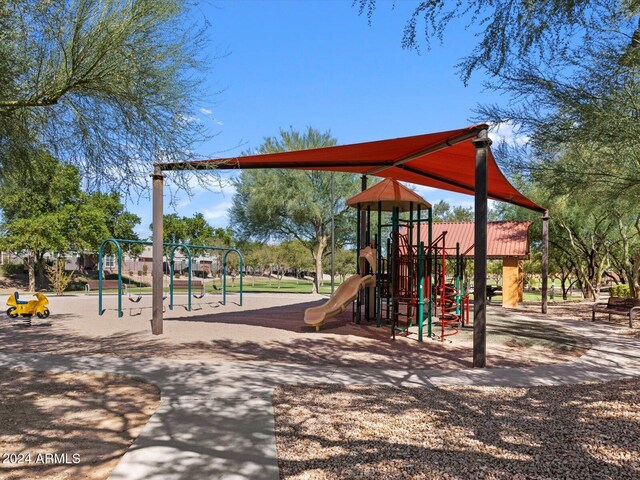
297, 63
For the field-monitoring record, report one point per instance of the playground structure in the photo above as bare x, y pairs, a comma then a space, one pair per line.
171, 248
457, 160
397, 275
409, 274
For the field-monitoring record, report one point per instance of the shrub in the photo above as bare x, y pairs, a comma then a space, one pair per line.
205, 271
139, 273
9, 269
620, 291
145, 269
57, 276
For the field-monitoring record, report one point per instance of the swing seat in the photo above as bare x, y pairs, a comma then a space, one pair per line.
131, 298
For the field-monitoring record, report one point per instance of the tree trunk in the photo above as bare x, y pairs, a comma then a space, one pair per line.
317, 256
31, 269
40, 268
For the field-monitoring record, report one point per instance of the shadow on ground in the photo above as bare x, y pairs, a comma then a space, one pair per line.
280, 336
87, 420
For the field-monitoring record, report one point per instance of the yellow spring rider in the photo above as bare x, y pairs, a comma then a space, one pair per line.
27, 309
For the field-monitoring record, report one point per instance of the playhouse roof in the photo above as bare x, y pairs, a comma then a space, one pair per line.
504, 239
387, 194
444, 160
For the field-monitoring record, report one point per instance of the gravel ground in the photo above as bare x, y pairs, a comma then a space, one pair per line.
95, 417
565, 432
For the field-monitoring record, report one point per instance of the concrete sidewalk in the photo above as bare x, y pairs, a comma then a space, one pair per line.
215, 419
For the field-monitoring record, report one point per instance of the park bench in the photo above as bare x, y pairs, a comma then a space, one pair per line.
493, 291
197, 286
617, 306
106, 284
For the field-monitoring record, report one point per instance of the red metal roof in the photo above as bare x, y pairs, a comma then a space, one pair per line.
444, 160
388, 193
504, 239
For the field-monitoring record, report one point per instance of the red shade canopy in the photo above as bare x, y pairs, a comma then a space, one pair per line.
444, 160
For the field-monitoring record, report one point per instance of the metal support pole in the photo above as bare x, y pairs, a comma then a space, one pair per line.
171, 272
430, 271
224, 280
101, 275
363, 219
458, 282
333, 238
379, 268
157, 273
410, 270
481, 143
420, 289
395, 269
358, 246
241, 274
545, 258
366, 292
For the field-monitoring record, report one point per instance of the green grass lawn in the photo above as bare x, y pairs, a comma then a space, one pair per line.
259, 284
288, 285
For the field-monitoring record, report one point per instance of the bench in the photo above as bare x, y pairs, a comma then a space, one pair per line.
493, 291
196, 284
106, 284
617, 306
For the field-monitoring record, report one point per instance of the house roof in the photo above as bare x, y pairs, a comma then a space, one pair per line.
444, 160
387, 194
504, 239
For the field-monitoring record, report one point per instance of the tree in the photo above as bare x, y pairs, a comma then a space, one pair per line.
108, 85
196, 231
45, 210
510, 32
292, 204
570, 73
345, 263
192, 230
442, 212
296, 257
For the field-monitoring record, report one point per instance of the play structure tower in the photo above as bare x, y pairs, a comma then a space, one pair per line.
409, 275
400, 280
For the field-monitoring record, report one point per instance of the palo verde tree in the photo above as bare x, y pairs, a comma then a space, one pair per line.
443, 212
195, 230
510, 33
105, 85
571, 72
44, 210
290, 204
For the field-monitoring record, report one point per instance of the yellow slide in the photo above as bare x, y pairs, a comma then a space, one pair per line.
339, 301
